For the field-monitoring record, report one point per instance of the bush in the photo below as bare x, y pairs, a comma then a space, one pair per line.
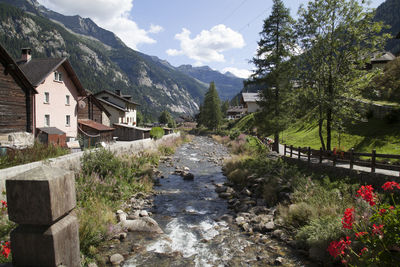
156, 132
234, 134
31, 154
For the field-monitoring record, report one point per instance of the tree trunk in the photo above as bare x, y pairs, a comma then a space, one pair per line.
276, 142
328, 128
320, 124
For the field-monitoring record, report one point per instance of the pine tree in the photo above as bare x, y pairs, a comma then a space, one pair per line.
211, 115
274, 49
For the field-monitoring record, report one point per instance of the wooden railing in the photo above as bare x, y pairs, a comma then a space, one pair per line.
349, 157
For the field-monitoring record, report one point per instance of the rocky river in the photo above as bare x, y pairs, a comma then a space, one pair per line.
199, 227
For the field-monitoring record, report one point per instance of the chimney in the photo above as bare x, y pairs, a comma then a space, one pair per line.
118, 92
26, 54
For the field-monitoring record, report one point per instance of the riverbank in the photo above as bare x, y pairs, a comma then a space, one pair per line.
307, 210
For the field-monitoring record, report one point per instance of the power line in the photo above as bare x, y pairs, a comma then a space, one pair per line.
252, 20
233, 12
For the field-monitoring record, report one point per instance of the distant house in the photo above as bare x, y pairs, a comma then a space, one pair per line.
121, 107
379, 60
249, 101
236, 112
59, 89
16, 100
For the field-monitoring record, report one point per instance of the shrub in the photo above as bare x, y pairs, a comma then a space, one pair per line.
101, 161
156, 132
35, 153
234, 134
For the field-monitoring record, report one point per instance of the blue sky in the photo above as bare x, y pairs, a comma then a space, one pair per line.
222, 34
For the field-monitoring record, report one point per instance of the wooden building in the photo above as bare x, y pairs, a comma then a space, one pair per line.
90, 108
16, 97
130, 133
52, 135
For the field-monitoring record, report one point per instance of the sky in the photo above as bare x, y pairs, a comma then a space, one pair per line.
222, 34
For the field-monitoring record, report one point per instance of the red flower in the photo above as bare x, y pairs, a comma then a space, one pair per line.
348, 218
362, 251
382, 211
390, 185
377, 230
360, 234
337, 248
4, 204
391, 208
6, 249
366, 192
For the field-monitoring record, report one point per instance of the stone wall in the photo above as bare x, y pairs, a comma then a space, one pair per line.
72, 161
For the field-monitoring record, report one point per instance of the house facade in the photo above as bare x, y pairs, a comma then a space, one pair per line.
58, 91
249, 102
17, 97
121, 107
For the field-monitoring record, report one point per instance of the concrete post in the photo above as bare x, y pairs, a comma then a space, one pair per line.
41, 201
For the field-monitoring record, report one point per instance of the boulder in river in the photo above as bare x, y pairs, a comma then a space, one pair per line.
142, 224
116, 259
188, 176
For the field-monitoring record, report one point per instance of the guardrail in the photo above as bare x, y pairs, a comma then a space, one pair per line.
347, 157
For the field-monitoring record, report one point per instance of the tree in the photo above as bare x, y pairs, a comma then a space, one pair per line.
274, 49
224, 108
166, 118
337, 37
210, 113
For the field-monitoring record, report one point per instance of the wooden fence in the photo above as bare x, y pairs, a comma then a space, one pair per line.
350, 157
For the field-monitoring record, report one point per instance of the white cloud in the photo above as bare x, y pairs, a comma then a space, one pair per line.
241, 73
111, 15
208, 45
155, 28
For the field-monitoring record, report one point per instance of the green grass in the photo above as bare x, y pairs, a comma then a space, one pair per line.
363, 136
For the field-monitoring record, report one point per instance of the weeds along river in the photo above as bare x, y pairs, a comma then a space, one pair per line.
189, 212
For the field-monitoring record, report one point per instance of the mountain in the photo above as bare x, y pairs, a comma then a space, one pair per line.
101, 60
388, 12
228, 85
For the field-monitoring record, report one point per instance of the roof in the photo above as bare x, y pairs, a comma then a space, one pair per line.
38, 69
97, 102
95, 125
383, 57
51, 130
237, 110
111, 104
132, 127
122, 97
251, 97
11, 67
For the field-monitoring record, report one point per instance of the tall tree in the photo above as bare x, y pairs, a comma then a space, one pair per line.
337, 37
274, 49
166, 118
210, 115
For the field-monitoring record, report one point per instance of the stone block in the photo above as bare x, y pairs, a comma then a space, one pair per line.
40, 196
47, 245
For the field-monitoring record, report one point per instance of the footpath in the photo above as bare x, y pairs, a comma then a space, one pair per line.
341, 165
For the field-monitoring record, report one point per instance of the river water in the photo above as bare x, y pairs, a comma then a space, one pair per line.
188, 213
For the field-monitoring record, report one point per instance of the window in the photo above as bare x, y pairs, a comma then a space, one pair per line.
47, 120
58, 76
67, 100
68, 120
46, 97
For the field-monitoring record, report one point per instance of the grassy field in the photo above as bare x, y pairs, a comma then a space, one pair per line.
362, 136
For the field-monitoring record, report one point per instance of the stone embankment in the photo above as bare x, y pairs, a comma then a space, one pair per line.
71, 162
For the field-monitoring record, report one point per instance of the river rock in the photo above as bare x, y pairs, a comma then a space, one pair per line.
269, 226
240, 220
278, 261
246, 192
188, 176
143, 213
225, 195
142, 224
277, 233
220, 189
92, 264
116, 259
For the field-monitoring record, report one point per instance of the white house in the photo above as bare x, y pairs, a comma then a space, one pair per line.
121, 107
249, 101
